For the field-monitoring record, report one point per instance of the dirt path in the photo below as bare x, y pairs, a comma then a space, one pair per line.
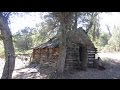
34, 71
112, 71
1, 66
18, 64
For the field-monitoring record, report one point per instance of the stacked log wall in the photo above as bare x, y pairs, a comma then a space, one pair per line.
46, 55
91, 57
72, 58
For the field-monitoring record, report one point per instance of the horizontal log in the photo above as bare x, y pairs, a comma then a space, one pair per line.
92, 53
72, 59
68, 66
91, 59
71, 62
91, 56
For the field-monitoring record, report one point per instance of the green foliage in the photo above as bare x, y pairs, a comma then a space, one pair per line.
88, 19
27, 38
23, 40
104, 37
42, 33
23, 52
113, 44
108, 48
100, 41
115, 39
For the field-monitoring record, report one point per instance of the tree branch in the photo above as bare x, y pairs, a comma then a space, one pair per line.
75, 24
108, 30
7, 16
93, 15
90, 26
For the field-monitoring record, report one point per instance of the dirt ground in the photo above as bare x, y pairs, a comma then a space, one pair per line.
36, 71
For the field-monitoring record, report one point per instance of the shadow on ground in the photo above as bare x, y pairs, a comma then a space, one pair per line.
34, 71
38, 71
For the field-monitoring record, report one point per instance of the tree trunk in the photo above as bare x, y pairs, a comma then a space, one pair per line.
75, 24
9, 50
109, 30
65, 22
62, 45
93, 33
84, 58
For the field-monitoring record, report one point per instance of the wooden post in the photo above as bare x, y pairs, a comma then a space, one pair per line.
47, 53
39, 52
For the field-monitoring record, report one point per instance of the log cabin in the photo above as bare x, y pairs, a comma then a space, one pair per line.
77, 41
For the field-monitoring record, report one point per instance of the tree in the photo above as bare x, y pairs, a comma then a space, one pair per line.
68, 21
87, 19
104, 37
108, 28
8, 45
102, 41
115, 39
65, 19
23, 39
64, 24
75, 20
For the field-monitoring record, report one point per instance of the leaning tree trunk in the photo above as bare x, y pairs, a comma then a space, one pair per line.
84, 57
9, 50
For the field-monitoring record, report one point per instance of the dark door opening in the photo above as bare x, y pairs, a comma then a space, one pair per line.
80, 53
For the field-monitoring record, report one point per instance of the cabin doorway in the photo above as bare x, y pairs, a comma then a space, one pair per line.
80, 53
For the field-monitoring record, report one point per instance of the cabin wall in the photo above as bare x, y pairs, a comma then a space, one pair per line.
50, 55
72, 58
44, 55
91, 57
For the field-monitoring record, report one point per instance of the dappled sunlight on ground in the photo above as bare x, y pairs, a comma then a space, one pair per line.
24, 70
2, 62
112, 71
28, 73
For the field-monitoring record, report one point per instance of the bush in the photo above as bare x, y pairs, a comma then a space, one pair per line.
23, 52
108, 48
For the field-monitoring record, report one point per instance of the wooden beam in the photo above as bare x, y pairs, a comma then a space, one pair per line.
47, 53
39, 52
33, 53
